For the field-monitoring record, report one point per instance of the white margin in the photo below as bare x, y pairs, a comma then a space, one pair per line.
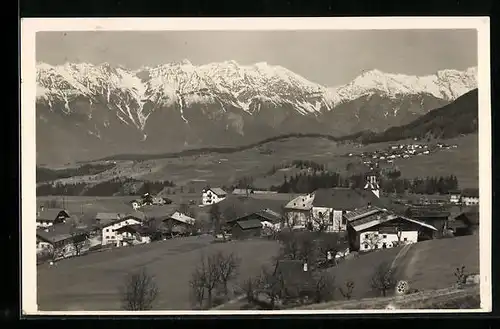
29, 27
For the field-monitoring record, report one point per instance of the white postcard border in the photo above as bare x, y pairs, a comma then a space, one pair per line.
30, 26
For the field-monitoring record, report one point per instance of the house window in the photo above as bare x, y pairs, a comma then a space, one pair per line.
384, 236
366, 246
107, 236
405, 239
107, 230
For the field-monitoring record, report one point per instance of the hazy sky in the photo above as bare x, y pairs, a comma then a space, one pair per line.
327, 57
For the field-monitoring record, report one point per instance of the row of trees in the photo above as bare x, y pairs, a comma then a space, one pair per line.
307, 183
300, 164
46, 174
107, 188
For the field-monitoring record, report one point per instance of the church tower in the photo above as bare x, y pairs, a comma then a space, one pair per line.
372, 184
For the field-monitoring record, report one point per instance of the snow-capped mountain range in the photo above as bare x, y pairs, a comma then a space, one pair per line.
180, 104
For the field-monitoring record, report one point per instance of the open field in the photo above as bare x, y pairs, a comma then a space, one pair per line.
92, 282
225, 169
84, 204
427, 265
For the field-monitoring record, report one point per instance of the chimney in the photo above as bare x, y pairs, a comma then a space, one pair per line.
305, 267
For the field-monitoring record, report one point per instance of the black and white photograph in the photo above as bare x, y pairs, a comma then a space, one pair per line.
271, 165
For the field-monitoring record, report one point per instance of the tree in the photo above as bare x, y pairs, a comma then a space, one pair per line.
197, 287
349, 288
328, 243
383, 278
215, 218
272, 285
209, 270
324, 287
321, 223
140, 291
228, 266
290, 248
78, 241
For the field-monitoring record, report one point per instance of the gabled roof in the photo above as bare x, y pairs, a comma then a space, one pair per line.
362, 212
50, 214
372, 217
341, 198
107, 216
135, 214
427, 212
135, 228
59, 232
217, 191
270, 215
249, 224
302, 202
471, 192
241, 206
157, 212
180, 217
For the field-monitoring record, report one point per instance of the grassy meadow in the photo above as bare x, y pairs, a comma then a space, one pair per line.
93, 281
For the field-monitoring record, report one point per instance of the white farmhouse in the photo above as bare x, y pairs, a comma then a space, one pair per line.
212, 195
370, 228
109, 230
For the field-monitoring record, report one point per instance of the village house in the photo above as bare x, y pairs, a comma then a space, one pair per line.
108, 229
179, 224
433, 215
130, 235
470, 196
269, 220
370, 228
212, 195
62, 239
248, 228
455, 196
298, 211
467, 223
46, 217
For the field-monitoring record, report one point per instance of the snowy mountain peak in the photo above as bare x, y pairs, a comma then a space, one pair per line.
445, 84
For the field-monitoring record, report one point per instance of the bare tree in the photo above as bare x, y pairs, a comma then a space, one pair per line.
272, 284
197, 287
290, 245
210, 272
307, 248
349, 288
328, 243
383, 278
321, 224
140, 291
228, 268
250, 287
324, 287
372, 240
215, 215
